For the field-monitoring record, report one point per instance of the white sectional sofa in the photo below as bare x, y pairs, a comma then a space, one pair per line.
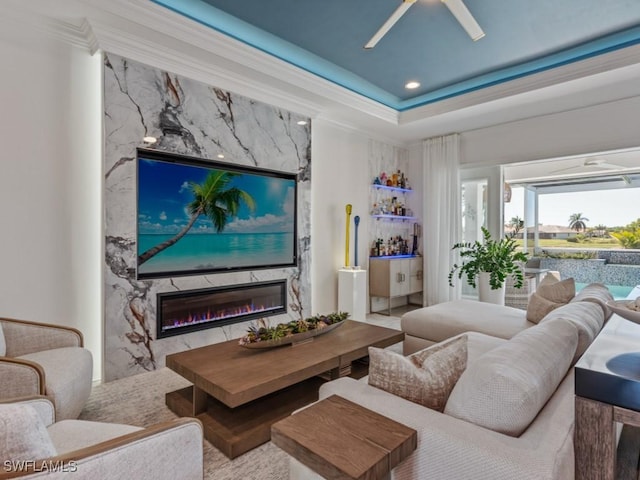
425, 326
519, 374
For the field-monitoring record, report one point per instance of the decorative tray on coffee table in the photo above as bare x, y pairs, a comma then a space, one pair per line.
292, 339
261, 335
627, 309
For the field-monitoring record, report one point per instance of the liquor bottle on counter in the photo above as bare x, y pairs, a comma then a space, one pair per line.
395, 245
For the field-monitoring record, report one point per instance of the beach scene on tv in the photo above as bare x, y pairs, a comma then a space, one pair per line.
194, 218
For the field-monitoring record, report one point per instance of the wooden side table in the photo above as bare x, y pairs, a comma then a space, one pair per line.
607, 388
339, 439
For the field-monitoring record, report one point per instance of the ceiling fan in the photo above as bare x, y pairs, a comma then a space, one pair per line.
591, 163
457, 7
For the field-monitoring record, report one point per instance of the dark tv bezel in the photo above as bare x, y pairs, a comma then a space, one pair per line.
144, 154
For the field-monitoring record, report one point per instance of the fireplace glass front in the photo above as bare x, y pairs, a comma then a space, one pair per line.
188, 311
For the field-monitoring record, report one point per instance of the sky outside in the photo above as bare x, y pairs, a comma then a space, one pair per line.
611, 208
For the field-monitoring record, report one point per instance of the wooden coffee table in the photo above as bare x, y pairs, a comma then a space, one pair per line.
339, 439
238, 393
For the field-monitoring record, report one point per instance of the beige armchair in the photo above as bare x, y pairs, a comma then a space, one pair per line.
35, 446
43, 359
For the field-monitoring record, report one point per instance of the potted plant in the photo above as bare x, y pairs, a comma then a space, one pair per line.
489, 263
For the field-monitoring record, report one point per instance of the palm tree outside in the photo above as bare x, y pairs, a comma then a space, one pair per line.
213, 199
516, 224
577, 222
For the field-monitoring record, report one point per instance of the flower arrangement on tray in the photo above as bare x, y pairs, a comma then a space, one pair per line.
261, 335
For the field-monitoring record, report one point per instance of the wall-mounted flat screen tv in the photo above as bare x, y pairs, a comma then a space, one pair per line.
199, 216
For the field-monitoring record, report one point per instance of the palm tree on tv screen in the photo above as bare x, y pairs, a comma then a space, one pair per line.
577, 222
213, 199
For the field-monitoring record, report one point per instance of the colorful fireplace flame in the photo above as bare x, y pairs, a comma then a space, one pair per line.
187, 311
219, 314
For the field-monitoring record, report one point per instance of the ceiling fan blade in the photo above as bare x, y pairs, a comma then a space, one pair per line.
464, 17
395, 16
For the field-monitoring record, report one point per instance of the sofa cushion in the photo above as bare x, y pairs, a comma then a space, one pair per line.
506, 387
23, 435
478, 344
445, 320
588, 318
551, 294
426, 377
67, 373
70, 435
597, 293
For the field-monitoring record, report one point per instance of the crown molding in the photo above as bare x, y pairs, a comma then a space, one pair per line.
359, 131
149, 33
573, 71
204, 68
79, 35
219, 58
259, 75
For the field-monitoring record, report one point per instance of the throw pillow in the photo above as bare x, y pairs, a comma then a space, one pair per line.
506, 387
426, 377
539, 307
23, 435
560, 291
550, 294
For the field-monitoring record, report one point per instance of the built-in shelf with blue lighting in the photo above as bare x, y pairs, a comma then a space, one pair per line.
396, 189
394, 217
393, 256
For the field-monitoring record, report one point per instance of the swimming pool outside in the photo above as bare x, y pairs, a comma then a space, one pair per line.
619, 292
621, 279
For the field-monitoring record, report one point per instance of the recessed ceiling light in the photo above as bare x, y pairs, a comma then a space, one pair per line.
411, 85
302, 122
149, 139
220, 155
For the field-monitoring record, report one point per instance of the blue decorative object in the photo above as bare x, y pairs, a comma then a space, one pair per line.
356, 220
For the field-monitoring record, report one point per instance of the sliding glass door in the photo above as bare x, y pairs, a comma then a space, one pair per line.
482, 206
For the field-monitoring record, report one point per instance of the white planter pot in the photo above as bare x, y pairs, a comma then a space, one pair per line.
486, 293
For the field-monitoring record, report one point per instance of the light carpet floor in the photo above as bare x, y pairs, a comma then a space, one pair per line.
140, 401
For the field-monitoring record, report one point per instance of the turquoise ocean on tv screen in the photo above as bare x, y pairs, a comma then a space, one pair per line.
211, 251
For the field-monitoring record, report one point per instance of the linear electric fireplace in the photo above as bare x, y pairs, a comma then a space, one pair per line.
188, 311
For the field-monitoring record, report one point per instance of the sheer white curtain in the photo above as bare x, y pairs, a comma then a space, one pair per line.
442, 216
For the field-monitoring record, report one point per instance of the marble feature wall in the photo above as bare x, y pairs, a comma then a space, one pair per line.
190, 118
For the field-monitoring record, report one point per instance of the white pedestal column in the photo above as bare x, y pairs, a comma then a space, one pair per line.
352, 292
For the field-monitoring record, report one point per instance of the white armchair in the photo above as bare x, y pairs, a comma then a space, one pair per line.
44, 359
33, 446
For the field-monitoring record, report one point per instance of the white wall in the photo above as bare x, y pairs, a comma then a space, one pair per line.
599, 128
340, 175
50, 183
